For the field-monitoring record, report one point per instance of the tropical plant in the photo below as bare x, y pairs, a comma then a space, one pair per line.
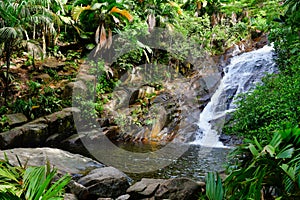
214, 187
30, 183
99, 19
268, 169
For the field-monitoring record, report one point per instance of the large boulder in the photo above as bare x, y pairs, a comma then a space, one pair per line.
175, 189
105, 182
90, 179
63, 161
179, 189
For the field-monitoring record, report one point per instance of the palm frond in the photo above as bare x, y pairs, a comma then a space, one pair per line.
8, 33
76, 12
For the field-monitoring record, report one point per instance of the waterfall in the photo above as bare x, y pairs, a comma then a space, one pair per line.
241, 75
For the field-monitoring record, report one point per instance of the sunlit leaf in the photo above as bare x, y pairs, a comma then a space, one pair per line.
76, 12
124, 13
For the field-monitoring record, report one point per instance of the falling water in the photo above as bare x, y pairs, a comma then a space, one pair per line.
243, 72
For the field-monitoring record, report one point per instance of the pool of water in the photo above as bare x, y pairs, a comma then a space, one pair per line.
194, 163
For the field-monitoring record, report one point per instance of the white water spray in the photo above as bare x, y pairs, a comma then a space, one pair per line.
241, 75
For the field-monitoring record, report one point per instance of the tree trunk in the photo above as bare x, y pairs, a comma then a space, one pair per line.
7, 47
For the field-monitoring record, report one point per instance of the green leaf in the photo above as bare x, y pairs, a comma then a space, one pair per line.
253, 150
286, 153
270, 149
98, 5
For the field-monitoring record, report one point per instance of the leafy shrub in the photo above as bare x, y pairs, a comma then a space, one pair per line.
271, 169
269, 107
32, 183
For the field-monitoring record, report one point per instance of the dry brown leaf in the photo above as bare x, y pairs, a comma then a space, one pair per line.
102, 36
109, 39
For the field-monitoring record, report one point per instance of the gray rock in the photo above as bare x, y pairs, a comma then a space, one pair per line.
144, 188
105, 182
34, 135
49, 130
123, 197
178, 189
12, 138
68, 90
36, 50
63, 161
69, 196
16, 119
61, 123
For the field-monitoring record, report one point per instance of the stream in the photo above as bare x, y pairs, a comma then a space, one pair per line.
206, 152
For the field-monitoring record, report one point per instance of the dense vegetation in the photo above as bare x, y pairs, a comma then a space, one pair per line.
67, 30
33, 30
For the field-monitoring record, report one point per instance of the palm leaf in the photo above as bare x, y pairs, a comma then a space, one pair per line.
76, 12
8, 33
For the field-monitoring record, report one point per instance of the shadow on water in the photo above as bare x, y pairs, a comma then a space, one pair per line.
194, 163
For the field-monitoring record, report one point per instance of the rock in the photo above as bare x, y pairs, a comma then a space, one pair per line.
178, 189
43, 78
123, 197
69, 196
34, 135
159, 123
144, 188
79, 87
49, 130
16, 119
61, 123
35, 50
52, 63
230, 140
212, 81
105, 182
63, 161
12, 138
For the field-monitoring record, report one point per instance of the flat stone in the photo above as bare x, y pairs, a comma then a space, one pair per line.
123, 197
144, 188
16, 119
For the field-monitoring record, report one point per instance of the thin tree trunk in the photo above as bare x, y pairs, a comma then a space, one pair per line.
44, 42
33, 37
8, 53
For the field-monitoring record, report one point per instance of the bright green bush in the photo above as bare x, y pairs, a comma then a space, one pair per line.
271, 169
30, 183
269, 107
